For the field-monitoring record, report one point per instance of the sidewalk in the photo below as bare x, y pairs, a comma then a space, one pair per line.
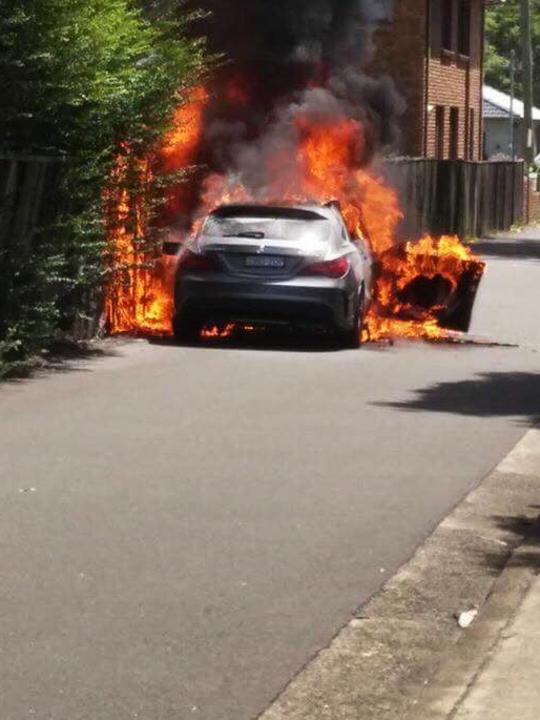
508, 685
493, 671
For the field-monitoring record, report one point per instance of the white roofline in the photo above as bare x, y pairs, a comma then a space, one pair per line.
503, 101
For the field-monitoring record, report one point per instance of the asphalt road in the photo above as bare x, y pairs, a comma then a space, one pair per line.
181, 529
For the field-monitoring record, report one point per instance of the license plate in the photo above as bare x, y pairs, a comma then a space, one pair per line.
265, 261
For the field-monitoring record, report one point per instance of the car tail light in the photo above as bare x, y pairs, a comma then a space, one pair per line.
332, 268
192, 262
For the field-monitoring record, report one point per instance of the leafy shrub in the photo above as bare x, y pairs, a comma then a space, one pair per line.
79, 78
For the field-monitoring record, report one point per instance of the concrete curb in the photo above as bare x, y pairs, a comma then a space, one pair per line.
404, 654
466, 659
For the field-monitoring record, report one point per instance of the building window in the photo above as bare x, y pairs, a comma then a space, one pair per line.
471, 134
454, 133
447, 24
464, 27
439, 132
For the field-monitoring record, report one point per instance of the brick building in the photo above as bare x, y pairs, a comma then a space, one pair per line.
433, 49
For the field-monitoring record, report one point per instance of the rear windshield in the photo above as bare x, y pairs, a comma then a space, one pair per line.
316, 228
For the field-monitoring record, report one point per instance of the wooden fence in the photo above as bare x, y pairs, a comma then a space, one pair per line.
457, 197
437, 196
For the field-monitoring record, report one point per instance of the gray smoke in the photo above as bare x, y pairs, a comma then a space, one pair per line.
293, 58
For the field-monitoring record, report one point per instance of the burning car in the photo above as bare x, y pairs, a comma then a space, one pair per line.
274, 264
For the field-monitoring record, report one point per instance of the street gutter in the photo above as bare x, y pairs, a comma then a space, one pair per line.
404, 654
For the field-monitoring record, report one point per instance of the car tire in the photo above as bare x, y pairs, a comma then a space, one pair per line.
185, 329
352, 339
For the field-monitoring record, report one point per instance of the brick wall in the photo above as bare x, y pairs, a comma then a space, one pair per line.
531, 201
455, 81
400, 53
411, 51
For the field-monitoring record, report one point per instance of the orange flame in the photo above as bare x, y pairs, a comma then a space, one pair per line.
139, 297
218, 331
326, 167
432, 267
182, 142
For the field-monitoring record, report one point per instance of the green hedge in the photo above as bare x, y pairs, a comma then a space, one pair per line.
79, 78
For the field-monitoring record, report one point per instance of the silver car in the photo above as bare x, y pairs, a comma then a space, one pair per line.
274, 264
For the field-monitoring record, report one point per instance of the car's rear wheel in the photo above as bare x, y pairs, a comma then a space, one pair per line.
352, 338
186, 328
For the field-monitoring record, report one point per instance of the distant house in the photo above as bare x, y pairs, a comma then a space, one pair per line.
497, 128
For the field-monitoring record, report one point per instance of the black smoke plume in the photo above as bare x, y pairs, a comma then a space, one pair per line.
283, 58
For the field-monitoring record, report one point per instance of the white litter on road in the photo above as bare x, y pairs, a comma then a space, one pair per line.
467, 618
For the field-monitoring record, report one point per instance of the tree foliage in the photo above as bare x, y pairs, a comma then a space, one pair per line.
503, 36
81, 79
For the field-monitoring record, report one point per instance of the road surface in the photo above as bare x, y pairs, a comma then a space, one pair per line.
183, 528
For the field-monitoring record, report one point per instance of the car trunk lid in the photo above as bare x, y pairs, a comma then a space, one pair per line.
262, 256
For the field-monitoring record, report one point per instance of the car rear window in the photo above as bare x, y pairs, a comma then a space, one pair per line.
290, 229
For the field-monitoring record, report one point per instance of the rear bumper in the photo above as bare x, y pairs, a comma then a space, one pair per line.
311, 301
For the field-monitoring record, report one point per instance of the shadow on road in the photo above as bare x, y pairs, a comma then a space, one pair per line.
520, 248
65, 357
494, 394
268, 340
524, 530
